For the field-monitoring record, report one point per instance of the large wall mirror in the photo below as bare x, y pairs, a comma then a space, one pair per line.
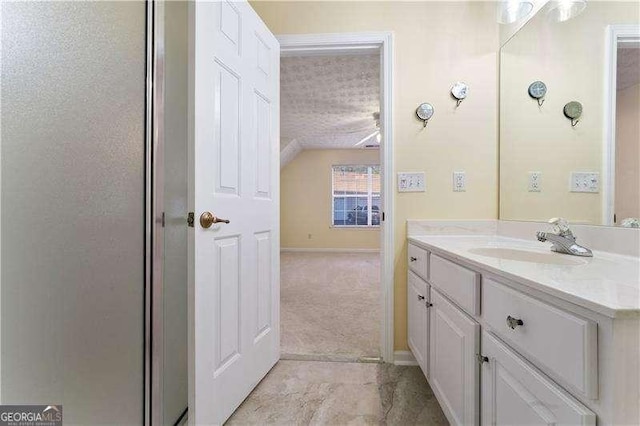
571, 147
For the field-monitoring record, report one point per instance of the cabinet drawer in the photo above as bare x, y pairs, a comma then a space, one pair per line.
559, 341
460, 284
514, 392
418, 260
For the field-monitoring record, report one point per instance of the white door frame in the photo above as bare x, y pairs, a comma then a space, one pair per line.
309, 44
615, 34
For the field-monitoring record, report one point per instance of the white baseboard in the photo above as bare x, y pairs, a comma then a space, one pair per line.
404, 358
327, 250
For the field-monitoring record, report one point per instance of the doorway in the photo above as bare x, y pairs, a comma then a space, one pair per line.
320, 269
621, 149
379, 44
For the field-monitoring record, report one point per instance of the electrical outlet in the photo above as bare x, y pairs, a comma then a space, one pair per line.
459, 181
411, 182
535, 182
585, 182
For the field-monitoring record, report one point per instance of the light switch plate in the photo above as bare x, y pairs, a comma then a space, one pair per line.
459, 181
535, 182
585, 182
411, 182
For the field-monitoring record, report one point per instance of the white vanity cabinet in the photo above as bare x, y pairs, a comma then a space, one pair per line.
497, 355
459, 284
418, 319
564, 343
514, 392
419, 261
454, 341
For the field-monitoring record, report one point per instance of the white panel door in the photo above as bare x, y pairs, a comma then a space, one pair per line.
514, 393
418, 319
234, 298
453, 371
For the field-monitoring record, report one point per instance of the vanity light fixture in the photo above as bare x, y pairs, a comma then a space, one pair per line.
459, 92
510, 11
563, 10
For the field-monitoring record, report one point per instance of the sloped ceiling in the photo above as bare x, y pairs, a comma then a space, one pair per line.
327, 102
628, 70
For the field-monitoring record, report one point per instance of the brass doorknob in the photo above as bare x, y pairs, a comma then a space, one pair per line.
207, 219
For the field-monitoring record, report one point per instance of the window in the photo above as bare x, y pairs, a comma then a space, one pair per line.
356, 196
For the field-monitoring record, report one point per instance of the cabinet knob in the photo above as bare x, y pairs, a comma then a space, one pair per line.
429, 304
413, 259
420, 297
512, 322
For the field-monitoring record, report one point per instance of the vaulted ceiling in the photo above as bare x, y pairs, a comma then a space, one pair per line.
328, 102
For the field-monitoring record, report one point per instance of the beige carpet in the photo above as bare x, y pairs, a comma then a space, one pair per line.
330, 304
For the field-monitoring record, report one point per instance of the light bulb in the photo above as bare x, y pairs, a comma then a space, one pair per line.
563, 10
510, 11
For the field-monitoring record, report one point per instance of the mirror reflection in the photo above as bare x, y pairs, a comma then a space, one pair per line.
570, 114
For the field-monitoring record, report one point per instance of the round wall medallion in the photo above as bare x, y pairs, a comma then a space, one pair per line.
573, 110
425, 112
459, 90
537, 89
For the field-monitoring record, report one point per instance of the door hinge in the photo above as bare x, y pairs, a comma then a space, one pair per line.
482, 359
191, 219
162, 220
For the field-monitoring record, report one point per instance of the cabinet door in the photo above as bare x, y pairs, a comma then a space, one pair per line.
417, 319
564, 344
454, 371
514, 392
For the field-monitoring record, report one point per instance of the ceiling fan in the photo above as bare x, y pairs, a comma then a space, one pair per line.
376, 134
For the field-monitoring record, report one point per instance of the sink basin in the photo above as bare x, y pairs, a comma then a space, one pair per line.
528, 256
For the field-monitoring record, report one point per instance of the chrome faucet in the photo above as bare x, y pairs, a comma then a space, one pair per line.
562, 239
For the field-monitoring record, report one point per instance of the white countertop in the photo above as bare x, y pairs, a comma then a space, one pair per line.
606, 283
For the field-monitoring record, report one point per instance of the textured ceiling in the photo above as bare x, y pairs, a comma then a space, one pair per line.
628, 68
327, 102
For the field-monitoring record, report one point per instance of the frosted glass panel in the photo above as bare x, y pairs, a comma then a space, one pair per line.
174, 371
72, 208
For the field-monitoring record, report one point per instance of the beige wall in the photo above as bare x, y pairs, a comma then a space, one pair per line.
627, 196
305, 201
569, 58
436, 44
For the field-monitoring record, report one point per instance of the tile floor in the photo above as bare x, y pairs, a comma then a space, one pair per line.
340, 393
330, 305
330, 309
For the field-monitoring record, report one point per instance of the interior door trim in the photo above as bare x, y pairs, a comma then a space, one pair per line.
314, 44
615, 34
154, 233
